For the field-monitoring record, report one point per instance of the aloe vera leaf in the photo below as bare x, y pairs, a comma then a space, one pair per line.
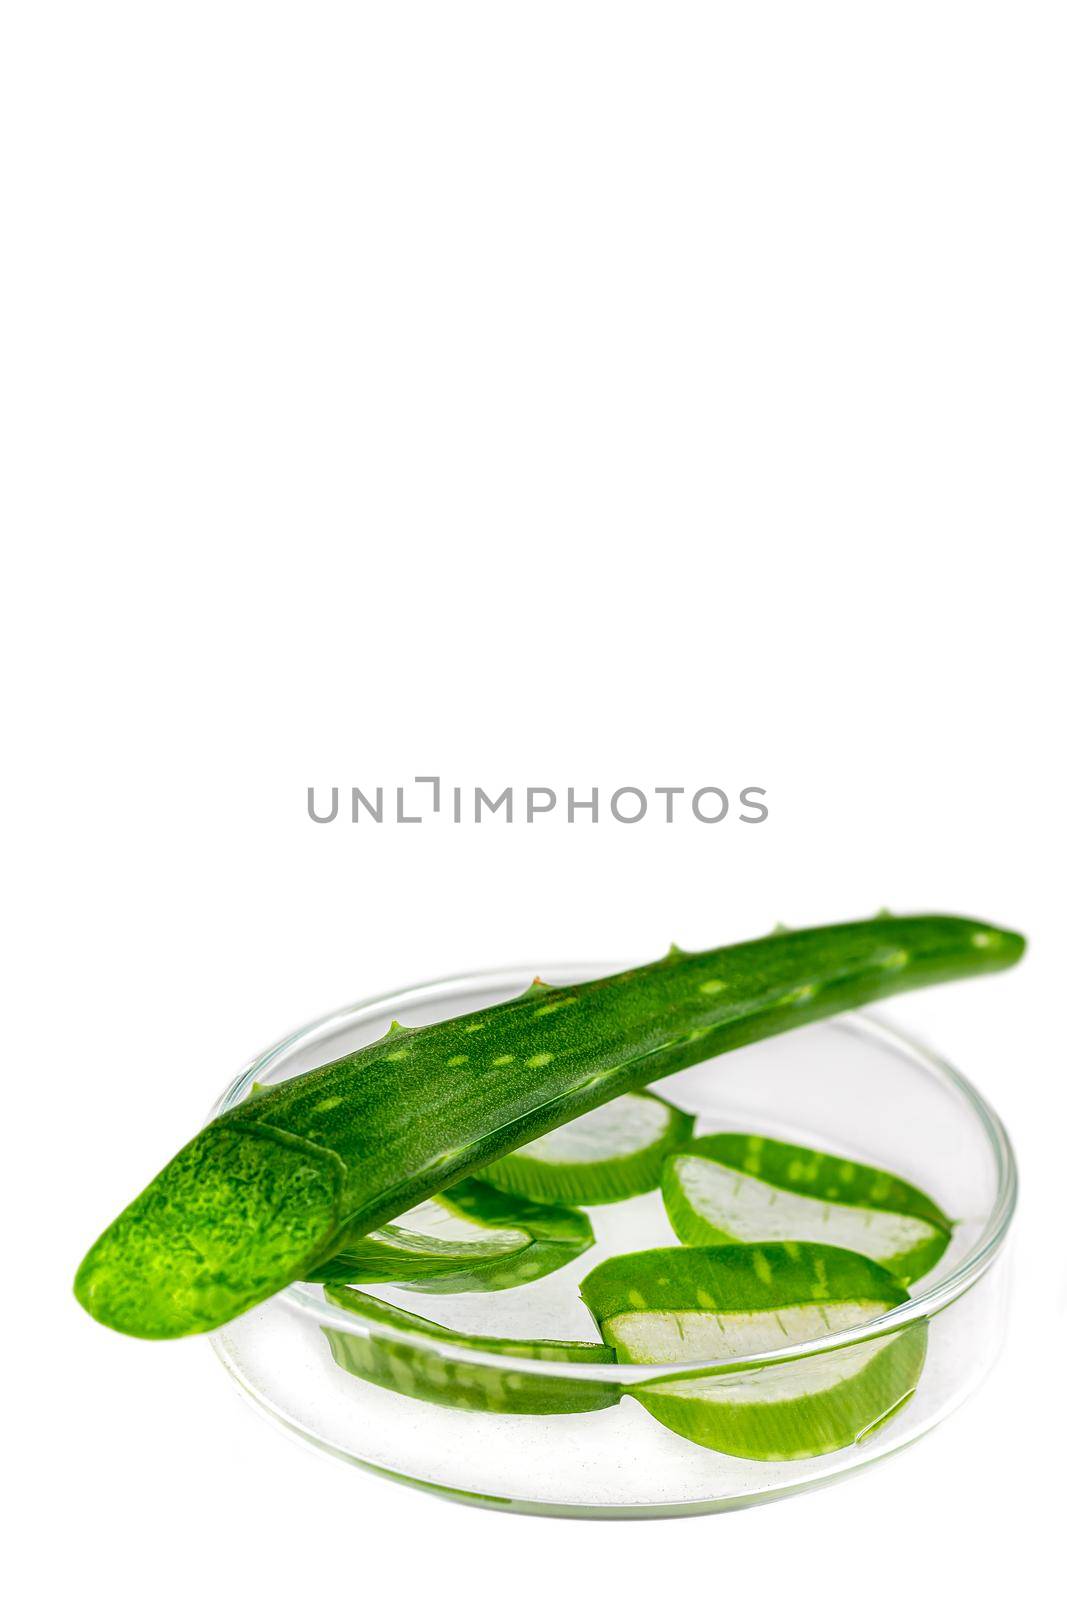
737, 1186
394, 1123
471, 1237
609, 1154
428, 1375
723, 1302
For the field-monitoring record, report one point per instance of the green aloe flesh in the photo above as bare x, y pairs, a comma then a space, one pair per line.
744, 1187
724, 1302
273, 1188
428, 1375
609, 1154
469, 1238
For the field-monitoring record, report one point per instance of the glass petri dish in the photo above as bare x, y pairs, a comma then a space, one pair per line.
855, 1086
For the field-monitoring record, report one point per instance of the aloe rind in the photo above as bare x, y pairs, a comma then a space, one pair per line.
745, 1186
608, 1154
428, 1375
420, 1109
722, 1303
735, 1279
505, 1241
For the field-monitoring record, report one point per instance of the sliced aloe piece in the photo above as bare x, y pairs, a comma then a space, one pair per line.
737, 1186
470, 1237
427, 1375
609, 1154
729, 1301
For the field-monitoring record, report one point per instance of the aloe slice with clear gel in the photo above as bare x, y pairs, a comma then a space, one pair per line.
723, 1303
422, 1374
609, 1154
742, 1187
470, 1237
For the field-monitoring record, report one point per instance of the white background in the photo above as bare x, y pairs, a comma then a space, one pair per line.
562, 394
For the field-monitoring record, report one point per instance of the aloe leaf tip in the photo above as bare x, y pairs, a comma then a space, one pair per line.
235, 1216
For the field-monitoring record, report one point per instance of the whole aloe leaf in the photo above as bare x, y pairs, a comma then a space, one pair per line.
273, 1188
